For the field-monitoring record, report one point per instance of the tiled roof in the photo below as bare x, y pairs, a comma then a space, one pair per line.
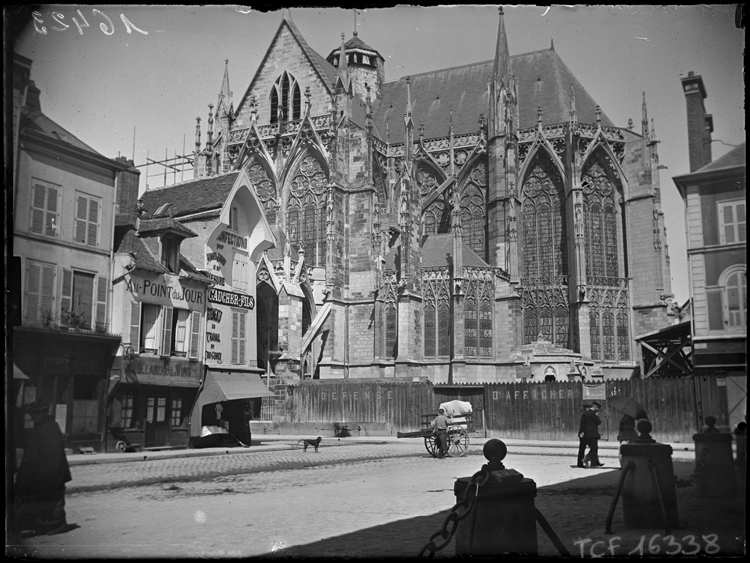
191, 197
463, 90
734, 158
38, 122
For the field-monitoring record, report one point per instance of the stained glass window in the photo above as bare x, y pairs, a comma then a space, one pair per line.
306, 211
485, 330
391, 331
608, 335
473, 209
430, 349
285, 99
444, 328
623, 339
561, 327
601, 221
470, 328
594, 333
529, 326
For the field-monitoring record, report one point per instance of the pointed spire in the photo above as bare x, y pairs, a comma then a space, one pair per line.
551, 44
210, 133
450, 122
598, 113
197, 134
224, 106
407, 113
539, 116
307, 100
502, 56
343, 68
644, 118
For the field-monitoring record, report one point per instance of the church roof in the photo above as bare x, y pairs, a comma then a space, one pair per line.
463, 90
192, 197
437, 251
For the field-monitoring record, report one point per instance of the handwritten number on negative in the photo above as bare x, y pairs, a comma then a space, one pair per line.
107, 27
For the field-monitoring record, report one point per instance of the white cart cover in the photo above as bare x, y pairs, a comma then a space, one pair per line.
455, 410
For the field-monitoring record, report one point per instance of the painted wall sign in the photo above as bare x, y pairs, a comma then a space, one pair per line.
156, 371
230, 298
233, 239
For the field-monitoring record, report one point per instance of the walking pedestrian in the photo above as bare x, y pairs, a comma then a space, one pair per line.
626, 434
588, 434
42, 474
440, 429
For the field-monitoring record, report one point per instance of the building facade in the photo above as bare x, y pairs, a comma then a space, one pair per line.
442, 223
64, 205
715, 196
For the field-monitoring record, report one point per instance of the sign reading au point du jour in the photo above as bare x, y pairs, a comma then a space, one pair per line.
231, 299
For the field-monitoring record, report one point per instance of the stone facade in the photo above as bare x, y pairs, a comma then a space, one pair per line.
535, 215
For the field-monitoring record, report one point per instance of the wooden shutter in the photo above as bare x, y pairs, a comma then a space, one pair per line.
66, 292
37, 209
102, 289
166, 331
82, 204
51, 221
33, 283
92, 234
195, 335
48, 289
135, 326
235, 344
242, 318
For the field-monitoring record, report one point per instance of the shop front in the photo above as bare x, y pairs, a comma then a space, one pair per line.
69, 371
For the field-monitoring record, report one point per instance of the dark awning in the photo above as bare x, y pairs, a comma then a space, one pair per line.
227, 386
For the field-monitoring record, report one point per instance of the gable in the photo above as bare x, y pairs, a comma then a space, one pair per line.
288, 52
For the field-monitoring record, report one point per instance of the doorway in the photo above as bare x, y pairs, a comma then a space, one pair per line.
156, 420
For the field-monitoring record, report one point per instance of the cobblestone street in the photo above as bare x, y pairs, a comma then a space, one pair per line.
359, 500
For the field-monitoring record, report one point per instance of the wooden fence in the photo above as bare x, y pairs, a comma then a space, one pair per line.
522, 410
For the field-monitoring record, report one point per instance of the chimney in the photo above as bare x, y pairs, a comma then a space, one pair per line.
128, 182
700, 125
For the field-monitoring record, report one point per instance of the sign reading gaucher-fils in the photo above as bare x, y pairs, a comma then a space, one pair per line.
231, 299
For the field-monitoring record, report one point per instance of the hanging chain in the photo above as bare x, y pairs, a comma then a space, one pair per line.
690, 481
461, 510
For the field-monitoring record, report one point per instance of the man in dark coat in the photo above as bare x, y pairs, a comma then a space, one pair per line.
440, 428
588, 434
42, 474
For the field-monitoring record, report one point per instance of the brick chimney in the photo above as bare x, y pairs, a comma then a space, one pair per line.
128, 182
700, 124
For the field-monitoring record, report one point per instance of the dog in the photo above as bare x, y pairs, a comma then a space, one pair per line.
309, 442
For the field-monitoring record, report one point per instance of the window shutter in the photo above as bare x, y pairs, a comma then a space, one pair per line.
241, 339
51, 222
102, 289
166, 333
235, 345
66, 294
195, 335
48, 289
33, 281
93, 226
37, 209
81, 207
135, 325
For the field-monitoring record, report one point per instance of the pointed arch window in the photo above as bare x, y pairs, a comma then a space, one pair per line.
474, 209
306, 210
478, 313
286, 100
600, 217
437, 312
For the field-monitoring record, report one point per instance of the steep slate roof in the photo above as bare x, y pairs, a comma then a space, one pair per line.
164, 224
733, 159
463, 90
355, 43
37, 122
322, 66
192, 197
436, 252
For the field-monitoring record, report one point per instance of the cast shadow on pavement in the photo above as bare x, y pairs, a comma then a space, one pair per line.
575, 509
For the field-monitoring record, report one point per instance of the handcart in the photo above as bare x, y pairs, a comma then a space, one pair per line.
459, 427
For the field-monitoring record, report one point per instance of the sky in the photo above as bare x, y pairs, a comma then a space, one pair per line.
137, 94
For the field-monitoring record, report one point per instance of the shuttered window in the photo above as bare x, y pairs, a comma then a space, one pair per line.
195, 335
135, 326
45, 216
240, 272
40, 292
149, 331
102, 290
180, 332
238, 337
166, 332
88, 212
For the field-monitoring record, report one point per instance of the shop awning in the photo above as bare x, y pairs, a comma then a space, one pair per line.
227, 386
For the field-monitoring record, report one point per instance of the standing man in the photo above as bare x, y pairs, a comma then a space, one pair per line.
588, 434
440, 428
42, 474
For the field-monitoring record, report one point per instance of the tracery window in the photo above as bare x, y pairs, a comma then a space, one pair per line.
306, 210
600, 218
265, 190
474, 209
286, 101
437, 313
544, 247
478, 323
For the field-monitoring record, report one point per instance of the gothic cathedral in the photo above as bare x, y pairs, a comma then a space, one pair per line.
443, 225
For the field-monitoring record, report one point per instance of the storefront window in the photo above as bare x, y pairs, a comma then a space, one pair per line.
127, 411
161, 409
150, 409
176, 411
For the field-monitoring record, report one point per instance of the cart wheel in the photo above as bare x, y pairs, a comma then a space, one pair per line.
121, 446
430, 443
458, 442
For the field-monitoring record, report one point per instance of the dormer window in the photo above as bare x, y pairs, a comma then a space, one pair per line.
286, 99
170, 253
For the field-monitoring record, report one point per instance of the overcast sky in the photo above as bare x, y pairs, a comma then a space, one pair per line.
101, 86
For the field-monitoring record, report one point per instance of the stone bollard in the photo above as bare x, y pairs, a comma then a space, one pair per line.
650, 477
504, 520
715, 469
